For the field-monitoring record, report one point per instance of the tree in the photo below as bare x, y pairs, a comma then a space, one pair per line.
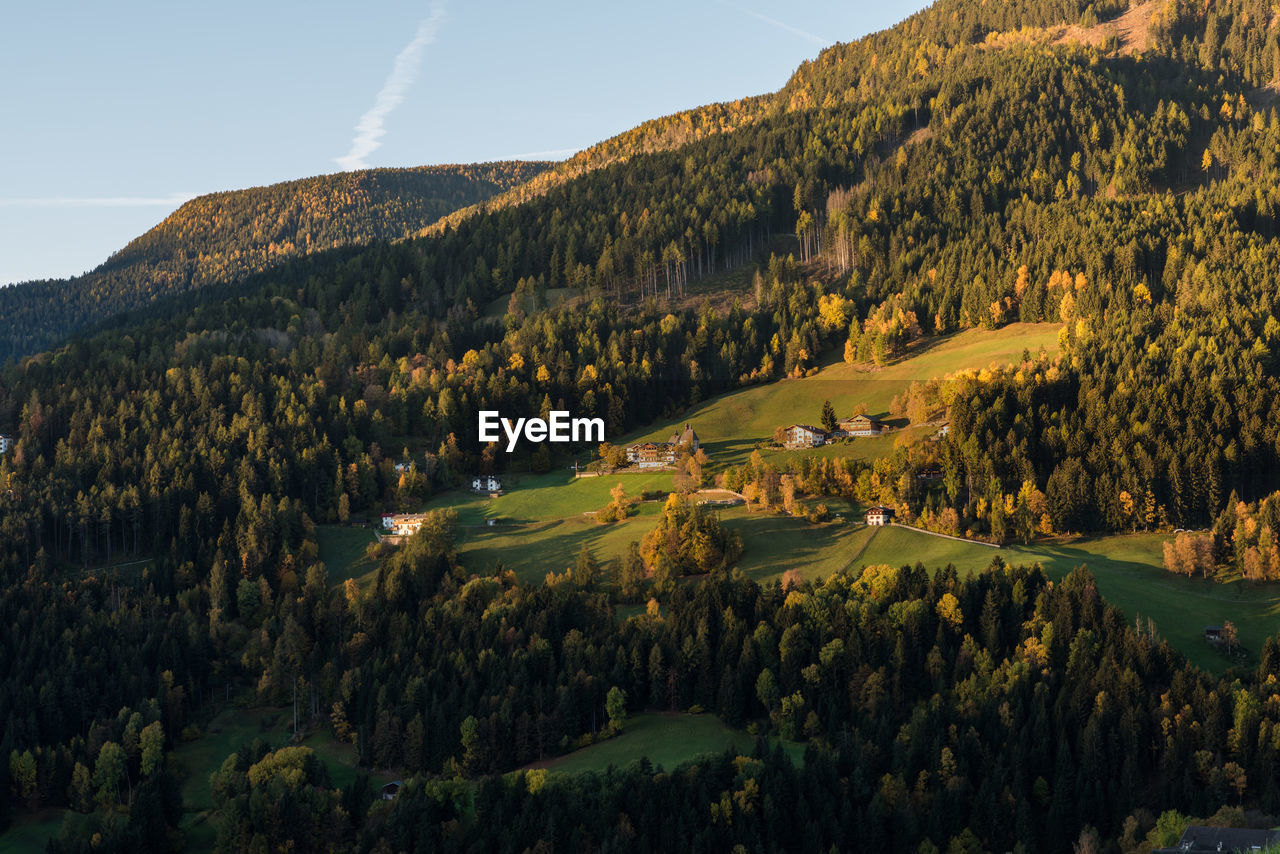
615, 704
767, 690
586, 570
108, 771
631, 573
1229, 635
152, 741
829, 419
22, 768
469, 736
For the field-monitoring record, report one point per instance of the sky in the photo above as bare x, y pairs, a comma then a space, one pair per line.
114, 114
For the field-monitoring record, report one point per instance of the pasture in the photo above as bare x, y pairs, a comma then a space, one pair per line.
666, 739
730, 425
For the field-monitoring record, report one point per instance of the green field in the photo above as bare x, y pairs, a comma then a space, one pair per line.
666, 739
771, 544
541, 518
496, 309
226, 733
730, 425
32, 832
342, 551
542, 523
1130, 574
231, 729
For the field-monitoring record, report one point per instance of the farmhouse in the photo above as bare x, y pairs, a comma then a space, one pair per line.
879, 515
401, 468
4, 443
861, 425
647, 455
390, 790
804, 436
1213, 634
486, 483
1198, 839
403, 524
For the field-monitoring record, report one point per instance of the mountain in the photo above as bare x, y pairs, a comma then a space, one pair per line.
184, 485
223, 237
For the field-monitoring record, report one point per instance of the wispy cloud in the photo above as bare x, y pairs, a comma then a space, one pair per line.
782, 25
369, 130
173, 199
553, 154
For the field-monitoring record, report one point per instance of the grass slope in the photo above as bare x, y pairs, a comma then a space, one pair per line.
342, 551
33, 832
666, 739
729, 425
1130, 574
549, 508
227, 732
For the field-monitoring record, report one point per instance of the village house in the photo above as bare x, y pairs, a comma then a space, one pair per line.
401, 468
403, 524
879, 515
647, 455
4, 444
486, 483
804, 436
861, 425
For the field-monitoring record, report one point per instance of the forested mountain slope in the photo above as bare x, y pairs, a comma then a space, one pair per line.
223, 237
935, 178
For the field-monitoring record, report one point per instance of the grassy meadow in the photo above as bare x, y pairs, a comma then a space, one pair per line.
667, 739
542, 521
730, 425
32, 832
1131, 575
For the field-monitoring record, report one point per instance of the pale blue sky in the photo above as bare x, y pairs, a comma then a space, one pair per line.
115, 112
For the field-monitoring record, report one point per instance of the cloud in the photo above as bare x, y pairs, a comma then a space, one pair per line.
818, 40
369, 130
173, 199
553, 154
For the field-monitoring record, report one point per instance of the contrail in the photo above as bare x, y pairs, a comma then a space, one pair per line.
818, 40
553, 154
99, 201
369, 129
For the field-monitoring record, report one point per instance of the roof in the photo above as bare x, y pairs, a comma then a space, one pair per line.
880, 508
861, 418
683, 437
808, 427
1197, 839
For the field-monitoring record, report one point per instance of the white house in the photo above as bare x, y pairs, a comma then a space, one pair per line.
404, 524
879, 515
486, 483
4, 444
804, 436
401, 468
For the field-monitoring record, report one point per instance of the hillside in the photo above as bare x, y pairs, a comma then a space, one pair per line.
224, 237
1084, 228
